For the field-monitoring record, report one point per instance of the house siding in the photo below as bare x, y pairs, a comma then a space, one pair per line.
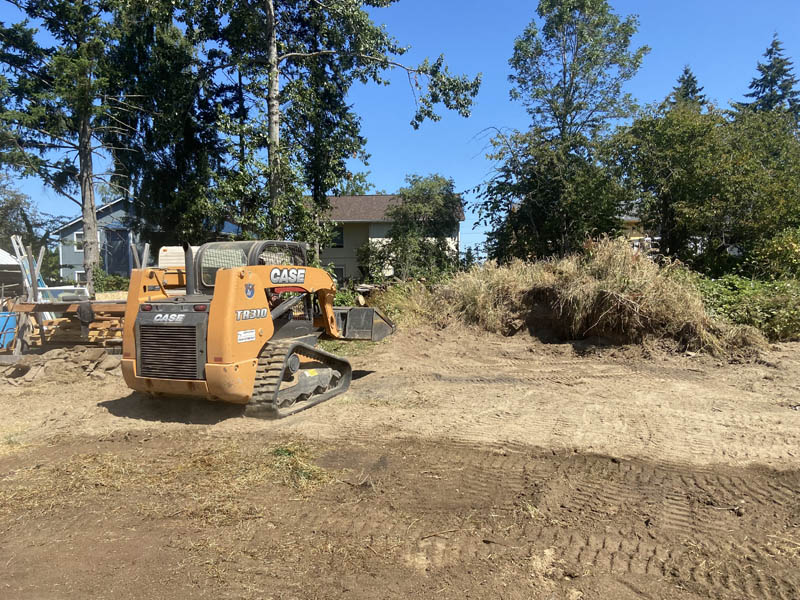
355, 236
114, 237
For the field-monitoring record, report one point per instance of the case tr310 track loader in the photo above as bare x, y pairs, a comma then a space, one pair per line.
244, 332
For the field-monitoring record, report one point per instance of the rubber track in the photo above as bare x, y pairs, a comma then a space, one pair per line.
269, 375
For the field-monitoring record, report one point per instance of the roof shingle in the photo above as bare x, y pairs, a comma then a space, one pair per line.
366, 209
362, 208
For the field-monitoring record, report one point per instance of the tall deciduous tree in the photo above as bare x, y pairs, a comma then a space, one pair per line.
706, 184
776, 85
570, 71
549, 190
281, 47
55, 101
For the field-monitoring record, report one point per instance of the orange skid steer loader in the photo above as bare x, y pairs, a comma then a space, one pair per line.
244, 331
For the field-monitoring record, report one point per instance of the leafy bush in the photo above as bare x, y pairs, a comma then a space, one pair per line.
345, 296
771, 306
105, 282
608, 291
779, 257
373, 259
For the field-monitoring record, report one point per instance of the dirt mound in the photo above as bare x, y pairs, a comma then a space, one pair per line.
75, 362
608, 292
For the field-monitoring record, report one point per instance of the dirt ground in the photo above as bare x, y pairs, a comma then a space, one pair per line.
459, 465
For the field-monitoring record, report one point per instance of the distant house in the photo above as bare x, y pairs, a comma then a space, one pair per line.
10, 277
358, 219
361, 219
114, 235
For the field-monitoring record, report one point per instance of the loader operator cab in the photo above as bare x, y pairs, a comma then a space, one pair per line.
214, 256
226, 255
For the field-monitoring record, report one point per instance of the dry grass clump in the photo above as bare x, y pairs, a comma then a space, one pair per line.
609, 291
217, 483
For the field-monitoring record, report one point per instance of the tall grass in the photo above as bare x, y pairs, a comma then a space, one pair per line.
608, 291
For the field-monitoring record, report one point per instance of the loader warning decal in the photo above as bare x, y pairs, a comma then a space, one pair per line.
246, 336
278, 275
255, 313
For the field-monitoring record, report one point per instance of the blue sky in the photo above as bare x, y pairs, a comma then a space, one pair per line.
722, 40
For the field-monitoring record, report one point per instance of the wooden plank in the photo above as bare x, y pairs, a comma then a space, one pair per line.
111, 308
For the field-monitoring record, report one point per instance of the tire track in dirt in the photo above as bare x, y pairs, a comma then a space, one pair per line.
600, 515
696, 566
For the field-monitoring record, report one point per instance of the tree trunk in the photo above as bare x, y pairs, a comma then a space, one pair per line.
273, 107
91, 251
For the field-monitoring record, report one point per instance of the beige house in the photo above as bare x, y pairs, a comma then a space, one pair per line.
360, 219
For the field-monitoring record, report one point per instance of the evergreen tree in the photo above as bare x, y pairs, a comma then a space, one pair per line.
55, 102
164, 127
775, 87
687, 89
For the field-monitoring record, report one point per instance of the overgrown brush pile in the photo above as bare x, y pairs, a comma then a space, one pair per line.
609, 291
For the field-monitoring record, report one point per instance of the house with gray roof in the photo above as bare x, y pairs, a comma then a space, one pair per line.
361, 219
358, 219
114, 235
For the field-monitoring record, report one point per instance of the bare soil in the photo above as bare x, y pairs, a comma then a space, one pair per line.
460, 465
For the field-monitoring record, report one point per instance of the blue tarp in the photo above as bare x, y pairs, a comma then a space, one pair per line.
8, 323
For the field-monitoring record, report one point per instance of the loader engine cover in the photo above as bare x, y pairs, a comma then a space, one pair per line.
171, 342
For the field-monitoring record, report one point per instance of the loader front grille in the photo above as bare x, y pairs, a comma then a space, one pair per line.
168, 352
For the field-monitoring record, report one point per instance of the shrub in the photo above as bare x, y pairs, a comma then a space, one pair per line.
105, 282
373, 259
345, 296
771, 306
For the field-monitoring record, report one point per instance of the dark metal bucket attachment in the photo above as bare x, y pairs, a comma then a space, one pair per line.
357, 323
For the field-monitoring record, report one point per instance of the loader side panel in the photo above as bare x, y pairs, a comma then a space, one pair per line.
239, 320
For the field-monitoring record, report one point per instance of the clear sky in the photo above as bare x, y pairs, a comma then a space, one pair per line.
722, 41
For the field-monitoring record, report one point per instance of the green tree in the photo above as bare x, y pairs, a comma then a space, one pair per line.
354, 184
55, 99
775, 87
670, 163
549, 190
165, 127
19, 216
306, 54
569, 73
424, 224
710, 186
545, 199
470, 257
688, 90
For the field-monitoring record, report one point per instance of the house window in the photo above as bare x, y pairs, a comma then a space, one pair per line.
78, 236
338, 272
80, 276
337, 237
